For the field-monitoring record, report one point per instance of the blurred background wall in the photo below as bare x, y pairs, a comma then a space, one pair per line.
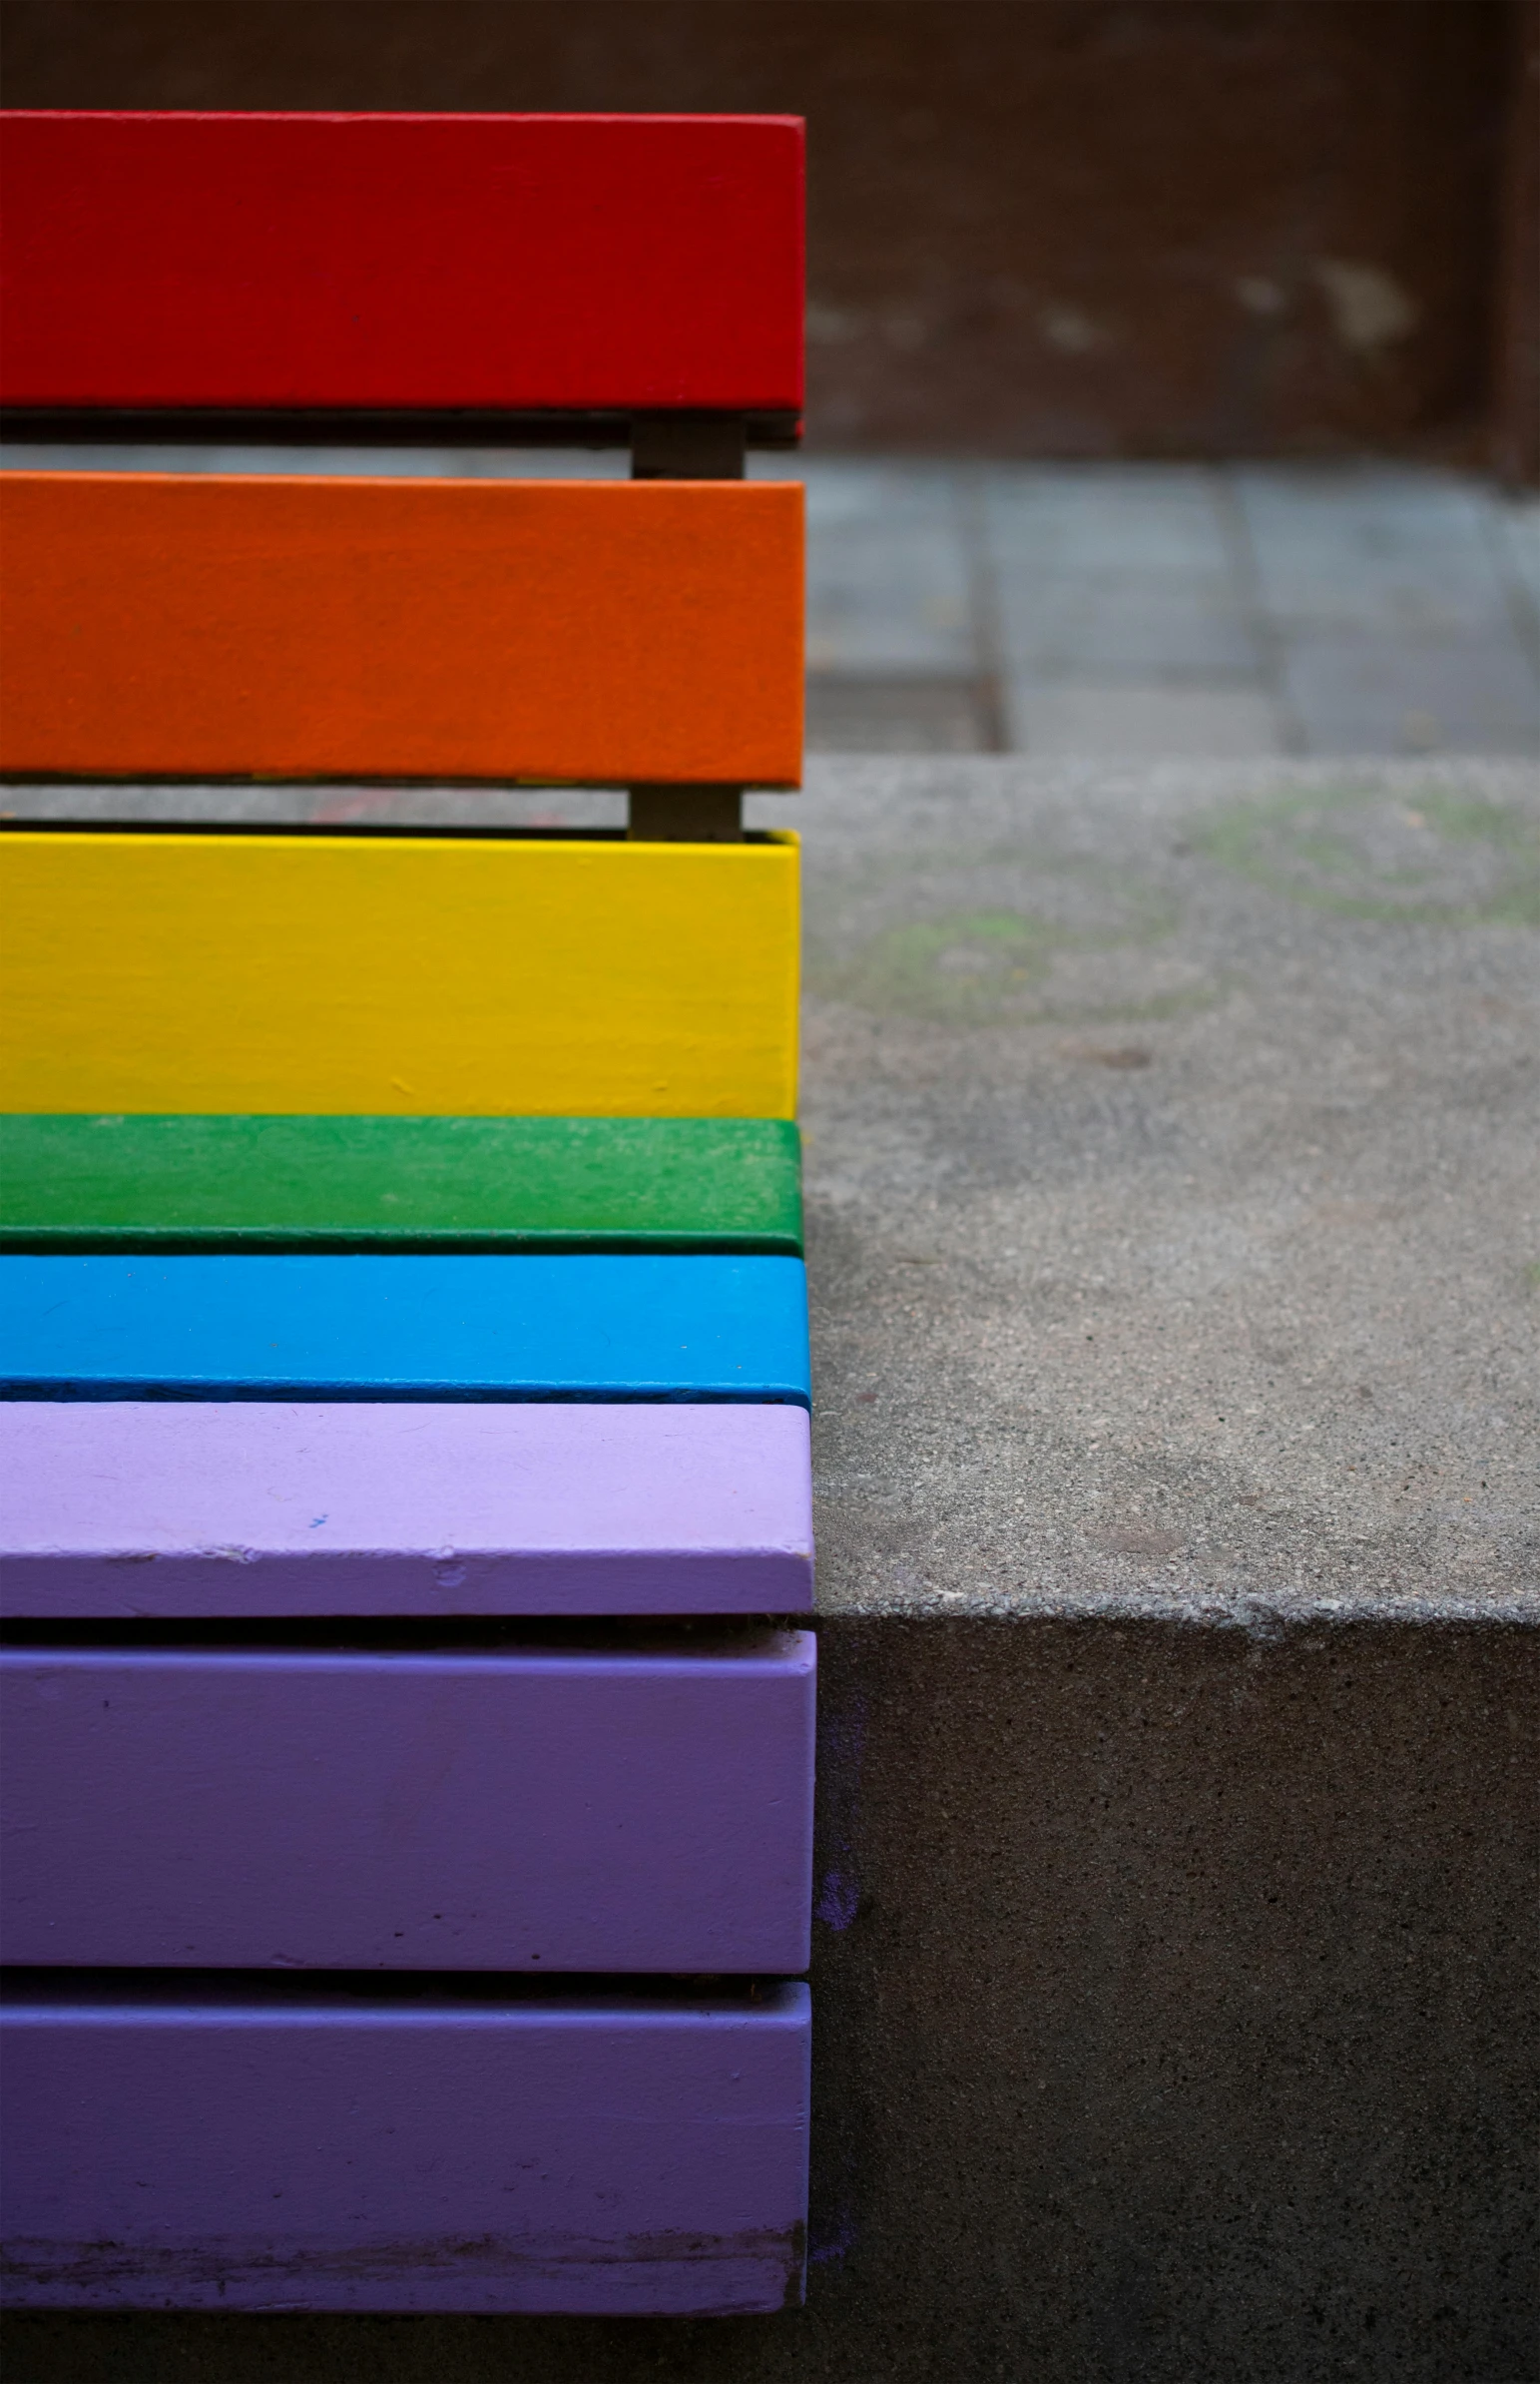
1052, 228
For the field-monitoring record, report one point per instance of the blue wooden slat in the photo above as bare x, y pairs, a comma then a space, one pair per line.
367, 1327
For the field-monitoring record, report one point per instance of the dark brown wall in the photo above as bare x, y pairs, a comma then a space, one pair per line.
1055, 227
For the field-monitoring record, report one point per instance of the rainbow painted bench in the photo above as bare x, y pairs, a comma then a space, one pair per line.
403, 1352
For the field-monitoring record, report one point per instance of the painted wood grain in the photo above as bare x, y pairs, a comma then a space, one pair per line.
535, 1810
461, 261
208, 625
607, 2156
366, 1326
466, 1183
123, 1509
405, 975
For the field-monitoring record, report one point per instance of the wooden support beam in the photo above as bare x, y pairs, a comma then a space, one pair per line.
687, 815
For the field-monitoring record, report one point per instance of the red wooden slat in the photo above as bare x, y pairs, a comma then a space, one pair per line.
518, 261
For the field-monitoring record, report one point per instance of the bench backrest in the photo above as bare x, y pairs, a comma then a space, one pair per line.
312, 267
204, 625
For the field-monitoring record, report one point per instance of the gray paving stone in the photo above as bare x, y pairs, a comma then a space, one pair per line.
1352, 692
889, 598
32, 455
1115, 521
1114, 573
1059, 628
912, 713
1518, 532
1391, 552
1141, 723
521, 464
1395, 610
363, 463
274, 805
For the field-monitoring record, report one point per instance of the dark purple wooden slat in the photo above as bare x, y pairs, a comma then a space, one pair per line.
532, 1811
608, 2158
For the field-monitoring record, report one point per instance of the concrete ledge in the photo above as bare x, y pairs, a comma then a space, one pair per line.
1172, 1195
1174, 1209
1169, 2024
1173, 2005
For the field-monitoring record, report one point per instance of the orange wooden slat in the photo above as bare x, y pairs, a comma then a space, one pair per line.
203, 625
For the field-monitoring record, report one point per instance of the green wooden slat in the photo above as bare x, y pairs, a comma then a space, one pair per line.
427, 1183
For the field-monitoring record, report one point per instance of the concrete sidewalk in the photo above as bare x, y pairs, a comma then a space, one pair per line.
1134, 610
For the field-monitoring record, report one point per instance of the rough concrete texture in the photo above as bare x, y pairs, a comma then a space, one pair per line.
1173, 1184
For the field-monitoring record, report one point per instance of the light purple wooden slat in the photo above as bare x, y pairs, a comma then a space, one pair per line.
244, 1510
609, 2159
532, 1811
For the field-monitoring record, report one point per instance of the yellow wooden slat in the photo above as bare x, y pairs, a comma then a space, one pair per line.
421, 975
